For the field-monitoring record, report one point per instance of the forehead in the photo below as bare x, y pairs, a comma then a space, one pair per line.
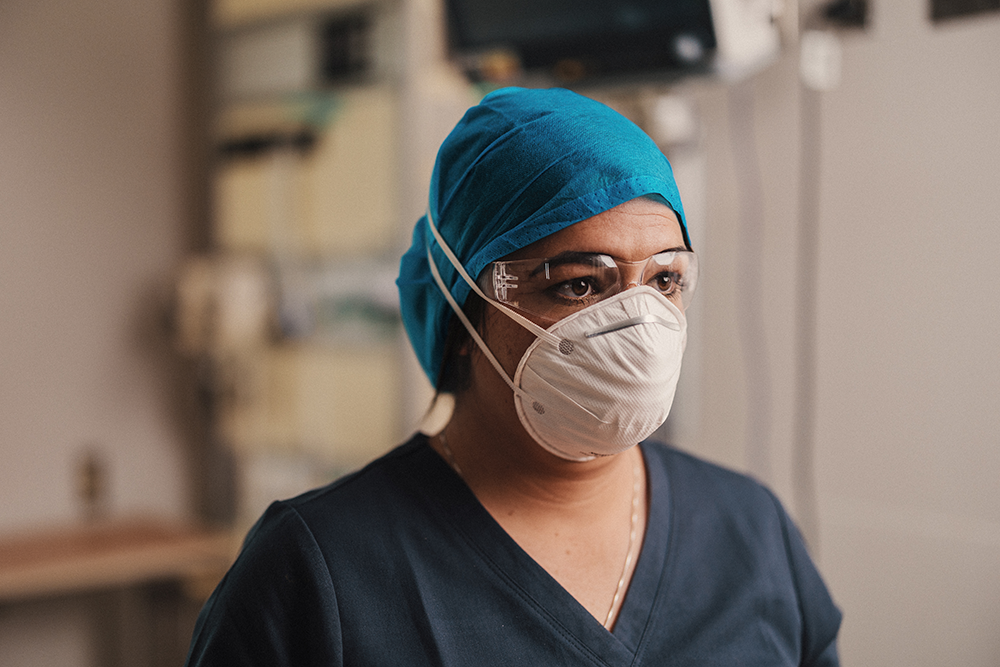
631, 231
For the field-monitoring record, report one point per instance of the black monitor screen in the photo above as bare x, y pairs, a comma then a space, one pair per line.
606, 36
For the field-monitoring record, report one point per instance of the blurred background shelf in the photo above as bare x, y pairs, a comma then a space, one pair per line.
74, 560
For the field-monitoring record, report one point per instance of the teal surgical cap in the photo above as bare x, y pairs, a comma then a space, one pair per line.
522, 164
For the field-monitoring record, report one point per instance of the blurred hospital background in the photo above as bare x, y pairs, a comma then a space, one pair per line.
202, 205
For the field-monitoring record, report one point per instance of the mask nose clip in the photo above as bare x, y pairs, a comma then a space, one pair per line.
633, 322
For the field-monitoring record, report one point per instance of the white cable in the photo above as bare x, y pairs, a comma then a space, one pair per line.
750, 306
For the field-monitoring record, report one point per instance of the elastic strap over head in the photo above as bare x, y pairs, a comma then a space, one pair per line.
514, 315
469, 326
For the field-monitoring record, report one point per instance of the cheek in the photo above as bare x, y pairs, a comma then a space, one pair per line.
507, 339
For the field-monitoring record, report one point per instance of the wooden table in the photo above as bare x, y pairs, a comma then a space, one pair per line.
144, 579
82, 558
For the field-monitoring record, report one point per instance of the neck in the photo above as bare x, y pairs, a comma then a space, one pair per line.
505, 467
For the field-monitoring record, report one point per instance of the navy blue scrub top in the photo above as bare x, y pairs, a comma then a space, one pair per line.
399, 564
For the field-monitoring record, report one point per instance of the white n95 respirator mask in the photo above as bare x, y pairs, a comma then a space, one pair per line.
610, 380
598, 381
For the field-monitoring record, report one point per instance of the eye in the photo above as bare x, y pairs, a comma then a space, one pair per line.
667, 282
577, 288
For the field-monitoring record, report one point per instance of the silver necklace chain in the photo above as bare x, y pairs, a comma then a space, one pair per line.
633, 532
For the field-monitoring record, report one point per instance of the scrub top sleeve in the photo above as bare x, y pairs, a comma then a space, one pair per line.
820, 616
276, 606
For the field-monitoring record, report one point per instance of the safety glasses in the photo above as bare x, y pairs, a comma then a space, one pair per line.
554, 287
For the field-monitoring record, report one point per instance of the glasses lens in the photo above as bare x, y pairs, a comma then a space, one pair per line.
673, 274
556, 287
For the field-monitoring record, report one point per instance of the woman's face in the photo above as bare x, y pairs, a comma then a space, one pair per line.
630, 232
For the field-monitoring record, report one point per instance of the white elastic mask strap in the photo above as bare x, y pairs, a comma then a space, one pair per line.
468, 325
514, 315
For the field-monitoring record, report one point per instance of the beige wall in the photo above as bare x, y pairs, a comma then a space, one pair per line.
908, 418
89, 228
907, 369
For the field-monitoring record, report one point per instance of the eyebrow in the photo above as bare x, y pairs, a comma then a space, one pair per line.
565, 257
579, 257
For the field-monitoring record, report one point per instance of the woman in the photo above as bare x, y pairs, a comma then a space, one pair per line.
532, 530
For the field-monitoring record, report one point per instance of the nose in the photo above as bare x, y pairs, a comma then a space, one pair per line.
631, 277
631, 274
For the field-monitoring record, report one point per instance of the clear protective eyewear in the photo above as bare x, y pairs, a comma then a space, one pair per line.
555, 287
